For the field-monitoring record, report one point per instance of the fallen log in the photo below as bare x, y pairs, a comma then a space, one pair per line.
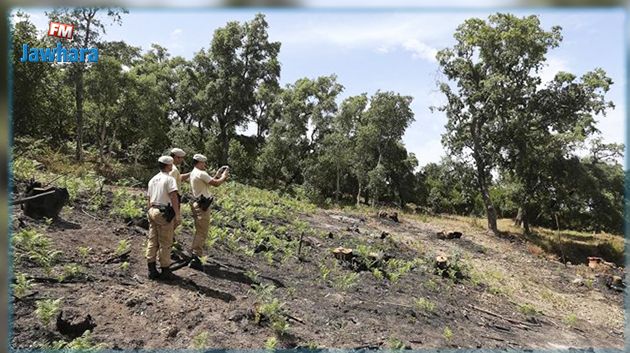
34, 197
296, 319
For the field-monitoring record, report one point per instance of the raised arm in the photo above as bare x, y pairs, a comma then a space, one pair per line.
218, 181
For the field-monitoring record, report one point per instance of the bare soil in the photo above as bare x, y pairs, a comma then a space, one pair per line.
132, 312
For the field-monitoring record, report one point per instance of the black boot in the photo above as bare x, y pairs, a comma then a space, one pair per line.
195, 263
167, 274
153, 272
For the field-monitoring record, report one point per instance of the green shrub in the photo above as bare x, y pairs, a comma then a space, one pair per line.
72, 271
448, 333
425, 305
47, 309
126, 205
528, 309
21, 285
23, 168
570, 320
200, 341
37, 248
79, 344
347, 281
122, 247
271, 343
395, 343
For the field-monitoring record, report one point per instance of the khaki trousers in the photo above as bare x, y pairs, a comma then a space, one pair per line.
202, 223
160, 238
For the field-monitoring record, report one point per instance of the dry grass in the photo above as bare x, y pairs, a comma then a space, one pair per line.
574, 246
513, 270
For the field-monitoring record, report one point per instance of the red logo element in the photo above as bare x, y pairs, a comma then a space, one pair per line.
61, 30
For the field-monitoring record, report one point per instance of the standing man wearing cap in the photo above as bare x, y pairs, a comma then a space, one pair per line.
163, 215
178, 157
200, 182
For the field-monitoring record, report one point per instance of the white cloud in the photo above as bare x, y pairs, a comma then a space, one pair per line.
427, 151
420, 50
39, 20
613, 125
174, 41
551, 68
383, 49
417, 34
250, 130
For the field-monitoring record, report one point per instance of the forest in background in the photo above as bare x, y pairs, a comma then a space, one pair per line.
512, 143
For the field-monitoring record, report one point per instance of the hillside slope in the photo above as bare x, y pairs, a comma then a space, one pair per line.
255, 292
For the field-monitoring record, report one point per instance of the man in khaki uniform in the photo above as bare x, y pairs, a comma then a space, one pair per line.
178, 157
200, 182
163, 216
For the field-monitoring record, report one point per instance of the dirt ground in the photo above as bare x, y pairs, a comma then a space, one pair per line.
482, 311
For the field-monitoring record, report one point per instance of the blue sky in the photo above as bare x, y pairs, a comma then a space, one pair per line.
390, 49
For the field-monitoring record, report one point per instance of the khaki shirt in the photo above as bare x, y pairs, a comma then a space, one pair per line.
178, 178
199, 180
160, 186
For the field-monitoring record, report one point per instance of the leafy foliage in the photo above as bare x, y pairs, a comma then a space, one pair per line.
47, 309
200, 341
512, 139
37, 248
22, 285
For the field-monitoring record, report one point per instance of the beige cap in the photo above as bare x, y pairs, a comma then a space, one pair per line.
166, 160
200, 157
178, 152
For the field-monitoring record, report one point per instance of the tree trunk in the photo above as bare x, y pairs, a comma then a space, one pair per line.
518, 221
202, 137
526, 221
113, 141
79, 86
337, 190
491, 212
225, 142
79, 114
359, 194
101, 142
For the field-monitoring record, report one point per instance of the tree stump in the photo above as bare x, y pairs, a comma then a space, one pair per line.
384, 214
449, 235
441, 262
343, 254
593, 262
48, 205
